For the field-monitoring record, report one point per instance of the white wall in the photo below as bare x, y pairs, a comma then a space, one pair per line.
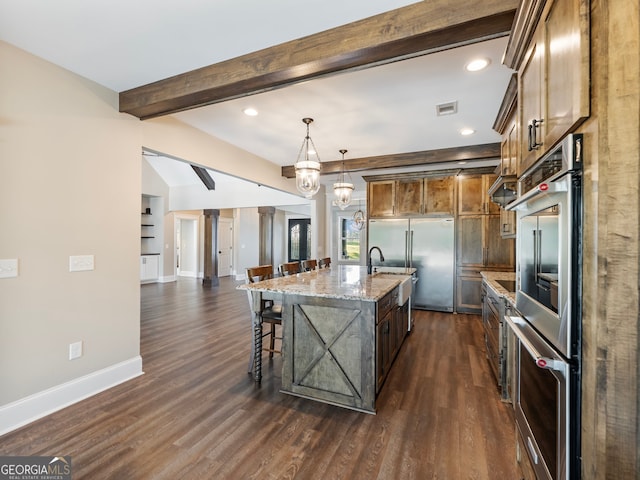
247, 232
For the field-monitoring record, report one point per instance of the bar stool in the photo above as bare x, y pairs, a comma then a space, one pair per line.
269, 312
289, 268
324, 262
308, 265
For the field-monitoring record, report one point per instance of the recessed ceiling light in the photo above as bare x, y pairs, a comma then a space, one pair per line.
252, 112
477, 64
467, 131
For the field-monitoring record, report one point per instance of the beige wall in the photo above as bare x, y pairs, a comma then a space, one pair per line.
70, 174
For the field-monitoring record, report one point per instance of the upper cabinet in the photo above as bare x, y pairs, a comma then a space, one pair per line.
438, 196
407, 197
473, 197
549, 47
381, 198
504, 191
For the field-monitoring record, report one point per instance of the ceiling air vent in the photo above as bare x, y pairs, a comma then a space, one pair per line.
447, 108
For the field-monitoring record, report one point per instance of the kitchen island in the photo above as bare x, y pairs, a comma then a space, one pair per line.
341, 330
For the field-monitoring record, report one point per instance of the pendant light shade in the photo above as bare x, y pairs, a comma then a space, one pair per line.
308, 169
343, 188
359, 218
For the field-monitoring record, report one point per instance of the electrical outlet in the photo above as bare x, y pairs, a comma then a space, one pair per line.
75, 350
8, 268
80, 263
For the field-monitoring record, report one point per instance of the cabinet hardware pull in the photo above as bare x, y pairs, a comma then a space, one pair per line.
535, 124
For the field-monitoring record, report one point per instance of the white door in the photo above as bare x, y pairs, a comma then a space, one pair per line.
187, 247
225, 247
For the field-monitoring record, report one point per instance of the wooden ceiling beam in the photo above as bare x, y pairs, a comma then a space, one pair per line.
416, 29
471, 153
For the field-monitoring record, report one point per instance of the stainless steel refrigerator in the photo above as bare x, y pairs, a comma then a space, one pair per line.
426, 244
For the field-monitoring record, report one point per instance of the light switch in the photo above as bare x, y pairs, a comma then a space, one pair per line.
80, 263
75, 350
8, 268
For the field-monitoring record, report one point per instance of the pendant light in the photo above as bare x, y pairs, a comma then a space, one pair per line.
359, 218
343, 188
307, 170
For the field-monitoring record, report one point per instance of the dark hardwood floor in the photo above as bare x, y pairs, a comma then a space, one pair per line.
197, 414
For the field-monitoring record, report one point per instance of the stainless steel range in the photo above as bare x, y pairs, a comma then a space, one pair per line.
548, 300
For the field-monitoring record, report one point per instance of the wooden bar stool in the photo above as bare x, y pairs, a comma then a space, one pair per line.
308, 265
324, 262
289, 268
266, 312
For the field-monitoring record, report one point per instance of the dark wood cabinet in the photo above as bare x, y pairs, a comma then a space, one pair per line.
381, 198
553, 80
391, 329
438, 196
409, 195
468, 291
480, 246
424, 196
473, 198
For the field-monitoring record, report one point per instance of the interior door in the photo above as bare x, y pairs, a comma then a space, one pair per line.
225, 247
299, 240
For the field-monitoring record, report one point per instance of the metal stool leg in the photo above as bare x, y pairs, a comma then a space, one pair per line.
257, 350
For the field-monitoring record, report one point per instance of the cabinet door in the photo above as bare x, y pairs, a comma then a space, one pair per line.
469, 292
149, 267
499, 252
471, 195
566, 67
409, 197
508, 159
438, 196
470, 240
507, 223
383, 354
489, 206
381, 198
530, 102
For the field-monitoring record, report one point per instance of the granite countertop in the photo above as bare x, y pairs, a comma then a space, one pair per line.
491, 280
347, 282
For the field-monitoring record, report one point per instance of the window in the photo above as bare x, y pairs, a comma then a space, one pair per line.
349, 240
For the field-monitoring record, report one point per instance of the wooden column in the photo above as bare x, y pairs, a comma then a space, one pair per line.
266, 235
211, 217
611, 343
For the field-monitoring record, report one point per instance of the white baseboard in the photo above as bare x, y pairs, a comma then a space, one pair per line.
167, 279
26, 410
187, 273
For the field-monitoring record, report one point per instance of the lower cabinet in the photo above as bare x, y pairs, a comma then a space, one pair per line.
149, 268
469, 291
390, 333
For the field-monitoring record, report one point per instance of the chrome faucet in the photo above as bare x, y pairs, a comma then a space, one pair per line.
369, 266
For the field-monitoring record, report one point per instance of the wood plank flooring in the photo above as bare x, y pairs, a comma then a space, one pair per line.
197, 414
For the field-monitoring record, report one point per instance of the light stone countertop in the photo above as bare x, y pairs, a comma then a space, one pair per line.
491, 278
347, 282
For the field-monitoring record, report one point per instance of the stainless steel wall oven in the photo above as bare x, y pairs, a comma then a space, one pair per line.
548, 301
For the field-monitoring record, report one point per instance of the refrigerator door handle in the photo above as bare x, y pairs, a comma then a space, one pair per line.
406, 248
411, 250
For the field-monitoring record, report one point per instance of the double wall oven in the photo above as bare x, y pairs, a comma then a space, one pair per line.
547, 323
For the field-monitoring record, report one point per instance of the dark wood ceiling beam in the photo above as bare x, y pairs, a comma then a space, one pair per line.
413, 30
471, 153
